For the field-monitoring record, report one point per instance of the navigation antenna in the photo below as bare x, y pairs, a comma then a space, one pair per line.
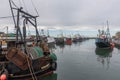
108, 31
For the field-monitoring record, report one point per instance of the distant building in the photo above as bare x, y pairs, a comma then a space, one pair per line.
2, 34
11, 34
117, 35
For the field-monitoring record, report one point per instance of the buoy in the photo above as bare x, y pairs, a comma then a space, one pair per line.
112, 45
3, 77
33, 44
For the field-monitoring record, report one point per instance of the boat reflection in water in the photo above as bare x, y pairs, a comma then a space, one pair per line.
52, 76
61, 45
103, 56
49, 77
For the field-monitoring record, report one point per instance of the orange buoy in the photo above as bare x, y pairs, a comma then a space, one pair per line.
112, 45
3, 77
33, 44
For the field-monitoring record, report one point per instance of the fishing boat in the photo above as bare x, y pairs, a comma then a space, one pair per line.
50, 39
51, 42
60, 39
21, 60
104, 39
68, 40
116, 40
77, 38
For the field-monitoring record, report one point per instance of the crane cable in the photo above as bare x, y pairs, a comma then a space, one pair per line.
31, 70
6, 17
31, 67
35, 8
24, 5
14, 4
20, 2
29, 33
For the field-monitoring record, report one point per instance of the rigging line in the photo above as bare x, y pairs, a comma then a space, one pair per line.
31, 71
6, 17
20, 3
29, 33
3, 28
35, 8
25, 5
14, 4
10, 2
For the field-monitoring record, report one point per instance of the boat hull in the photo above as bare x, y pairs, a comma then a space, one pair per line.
68, 41
103, 44
19, 65
15, 72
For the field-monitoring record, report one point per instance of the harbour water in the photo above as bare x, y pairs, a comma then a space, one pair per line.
83, 61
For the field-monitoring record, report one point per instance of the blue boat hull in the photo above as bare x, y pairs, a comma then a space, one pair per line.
102, 43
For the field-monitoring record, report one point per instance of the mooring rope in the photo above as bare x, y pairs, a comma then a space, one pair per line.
31, 70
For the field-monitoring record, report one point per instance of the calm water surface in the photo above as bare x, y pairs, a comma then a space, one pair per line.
82, 61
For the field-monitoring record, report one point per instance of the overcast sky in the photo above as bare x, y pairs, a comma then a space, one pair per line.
68, 14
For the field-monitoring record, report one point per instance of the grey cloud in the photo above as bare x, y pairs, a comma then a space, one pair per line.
69, 12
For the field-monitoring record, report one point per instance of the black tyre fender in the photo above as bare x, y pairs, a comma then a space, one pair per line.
53, 65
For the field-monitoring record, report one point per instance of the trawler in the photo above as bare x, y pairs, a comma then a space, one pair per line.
22, 61
104, 39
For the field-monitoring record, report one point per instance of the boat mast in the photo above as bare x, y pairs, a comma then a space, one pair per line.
16, 21
27, 18
108, 31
